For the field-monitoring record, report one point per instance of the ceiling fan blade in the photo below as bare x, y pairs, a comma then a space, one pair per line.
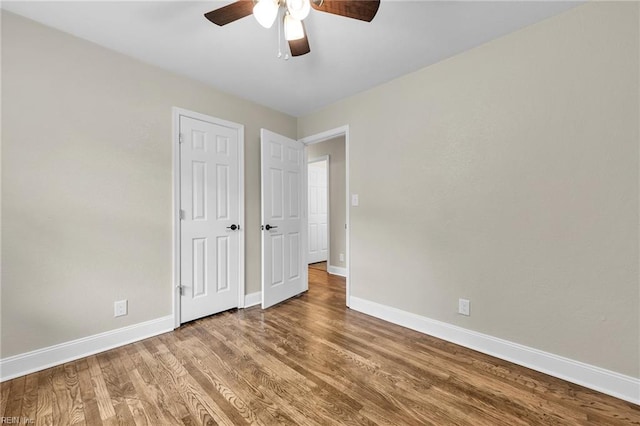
364, 10
301, 46
231, 12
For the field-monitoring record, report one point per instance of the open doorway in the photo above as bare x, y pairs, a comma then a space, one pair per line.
338, 163
327, 208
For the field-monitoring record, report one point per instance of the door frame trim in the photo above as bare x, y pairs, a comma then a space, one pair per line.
176, 113
328, 179
322, 137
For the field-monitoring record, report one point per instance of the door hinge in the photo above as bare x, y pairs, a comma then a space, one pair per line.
180, 289
180, 138
182, 214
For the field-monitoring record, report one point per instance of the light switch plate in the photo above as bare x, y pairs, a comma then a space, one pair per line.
463, 307
354, 200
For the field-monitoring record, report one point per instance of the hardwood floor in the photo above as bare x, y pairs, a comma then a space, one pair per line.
322, 266
309, 361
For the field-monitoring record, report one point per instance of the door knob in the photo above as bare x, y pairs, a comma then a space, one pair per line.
267, 227
233, 227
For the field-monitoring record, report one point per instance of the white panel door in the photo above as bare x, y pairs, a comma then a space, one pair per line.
284, 271
209, 229
318, 206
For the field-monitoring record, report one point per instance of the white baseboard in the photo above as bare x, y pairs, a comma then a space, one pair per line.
605, 381
336, 270
40, 359
252, 299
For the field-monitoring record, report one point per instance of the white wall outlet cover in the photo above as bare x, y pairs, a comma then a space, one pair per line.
120, 308
354, 200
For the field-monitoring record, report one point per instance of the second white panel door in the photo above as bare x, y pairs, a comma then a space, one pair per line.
284, 271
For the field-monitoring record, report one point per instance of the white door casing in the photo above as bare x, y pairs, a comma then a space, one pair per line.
210, 199
283, 189
318, 210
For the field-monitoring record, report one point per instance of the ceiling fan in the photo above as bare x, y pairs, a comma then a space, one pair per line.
266, 12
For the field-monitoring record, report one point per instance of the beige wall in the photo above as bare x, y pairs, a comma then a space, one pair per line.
86, 184
335, 149
508, 175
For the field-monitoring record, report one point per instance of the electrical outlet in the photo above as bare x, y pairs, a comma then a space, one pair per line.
463, 307
120, 308
341, 257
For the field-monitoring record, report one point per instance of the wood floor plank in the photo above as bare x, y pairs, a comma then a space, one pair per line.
103, 399
61, 402
16, 396
150, 391
4, 396
123, 414
308, 361
116, 366
76, 413
30, 401
170, 403
87, 393
44, 410
116, 379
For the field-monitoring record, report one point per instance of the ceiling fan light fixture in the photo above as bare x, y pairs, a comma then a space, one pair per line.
299, 9
266, 12
293, 29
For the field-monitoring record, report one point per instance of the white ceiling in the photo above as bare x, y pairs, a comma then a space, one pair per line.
347, 56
